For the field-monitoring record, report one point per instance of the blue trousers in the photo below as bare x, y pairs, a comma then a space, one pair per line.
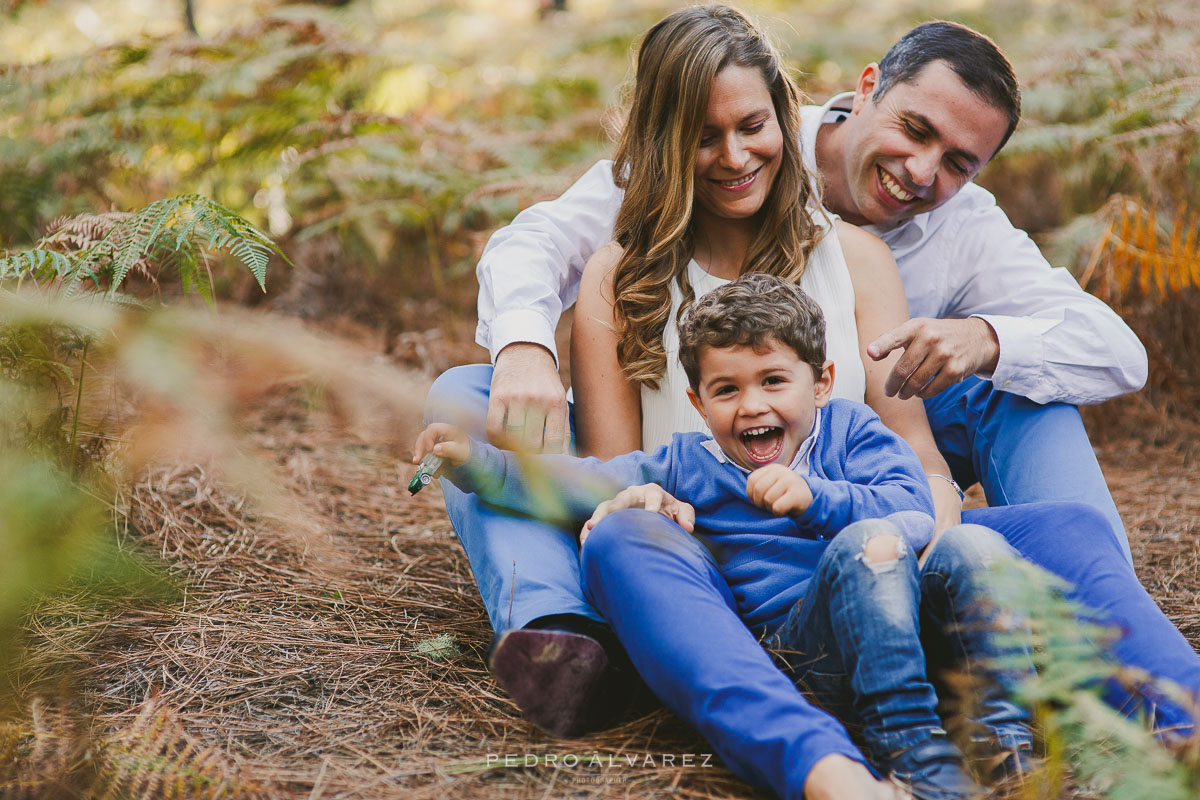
1019, 451
856, 641
698, 656
527, 569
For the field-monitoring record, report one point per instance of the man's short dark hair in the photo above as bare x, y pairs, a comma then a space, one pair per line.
749, 312
974, 58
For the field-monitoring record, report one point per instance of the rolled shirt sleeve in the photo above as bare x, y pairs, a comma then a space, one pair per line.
530, 269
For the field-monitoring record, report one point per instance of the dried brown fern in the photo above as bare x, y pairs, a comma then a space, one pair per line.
83, 231
45, 755
1137, 249
155, 758
1146, 265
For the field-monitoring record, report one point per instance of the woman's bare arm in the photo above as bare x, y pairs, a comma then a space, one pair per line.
608, 406
879, 305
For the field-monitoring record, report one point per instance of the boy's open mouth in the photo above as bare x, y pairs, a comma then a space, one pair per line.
762, 444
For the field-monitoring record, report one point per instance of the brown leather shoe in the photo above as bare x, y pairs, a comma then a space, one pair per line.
556, 678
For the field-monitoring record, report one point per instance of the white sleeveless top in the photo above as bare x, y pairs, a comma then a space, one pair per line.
666, 410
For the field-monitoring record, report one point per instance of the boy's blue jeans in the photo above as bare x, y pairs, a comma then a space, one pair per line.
856, 640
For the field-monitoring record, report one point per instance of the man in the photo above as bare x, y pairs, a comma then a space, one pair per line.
999, 347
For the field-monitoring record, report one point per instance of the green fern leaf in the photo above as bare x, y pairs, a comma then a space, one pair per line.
140, 233
39, 264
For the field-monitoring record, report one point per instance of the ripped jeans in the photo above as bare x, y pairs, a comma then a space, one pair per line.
858, 641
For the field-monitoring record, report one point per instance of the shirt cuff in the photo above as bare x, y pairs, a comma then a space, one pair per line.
1022, 358
521, 326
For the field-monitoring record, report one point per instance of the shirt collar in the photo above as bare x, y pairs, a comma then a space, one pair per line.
834, 110
801, 464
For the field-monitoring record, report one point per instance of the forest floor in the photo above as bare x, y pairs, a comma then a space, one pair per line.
350, 663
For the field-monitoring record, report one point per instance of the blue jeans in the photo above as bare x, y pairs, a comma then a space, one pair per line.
527, 569
857, 644
1019, 451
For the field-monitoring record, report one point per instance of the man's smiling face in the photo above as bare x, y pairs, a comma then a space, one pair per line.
912, 149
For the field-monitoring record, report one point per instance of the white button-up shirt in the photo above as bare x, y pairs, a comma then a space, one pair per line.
962, 259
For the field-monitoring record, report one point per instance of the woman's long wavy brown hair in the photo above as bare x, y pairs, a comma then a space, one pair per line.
676, 64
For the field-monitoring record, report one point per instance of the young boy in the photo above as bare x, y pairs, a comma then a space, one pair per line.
797, 498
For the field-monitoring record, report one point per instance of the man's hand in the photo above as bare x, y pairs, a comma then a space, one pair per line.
651, 497
527, 409
779, 490
444, 440
937, 353
836, 777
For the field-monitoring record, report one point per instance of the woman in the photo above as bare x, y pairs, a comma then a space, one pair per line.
714, 187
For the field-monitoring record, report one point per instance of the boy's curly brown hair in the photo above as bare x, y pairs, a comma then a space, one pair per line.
748, 312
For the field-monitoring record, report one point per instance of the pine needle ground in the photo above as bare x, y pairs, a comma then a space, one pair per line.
352, 665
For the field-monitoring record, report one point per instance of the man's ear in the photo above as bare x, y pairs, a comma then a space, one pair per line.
695, 399
823, 386
867, 82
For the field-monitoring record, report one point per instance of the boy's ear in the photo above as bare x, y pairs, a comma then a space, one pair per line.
695, 399
823, 386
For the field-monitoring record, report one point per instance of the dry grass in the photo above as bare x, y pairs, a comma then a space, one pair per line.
351, 665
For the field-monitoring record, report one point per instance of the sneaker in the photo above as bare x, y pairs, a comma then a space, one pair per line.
932, 770
555, 677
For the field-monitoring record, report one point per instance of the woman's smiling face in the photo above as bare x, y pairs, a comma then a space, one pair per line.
741, 145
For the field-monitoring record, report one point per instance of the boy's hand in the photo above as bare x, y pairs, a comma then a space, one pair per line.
779, 490
444, 440
651, 497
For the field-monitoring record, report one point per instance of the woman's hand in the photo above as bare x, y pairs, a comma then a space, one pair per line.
443, 440
836, 777
650, 497
947, 504
779, 490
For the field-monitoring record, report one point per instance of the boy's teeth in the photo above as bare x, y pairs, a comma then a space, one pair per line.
763, 443
893, 188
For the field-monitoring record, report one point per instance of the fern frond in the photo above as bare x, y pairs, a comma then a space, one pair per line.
141, 232
83, 231
155, 758
1107, 751
1136, 249
163, 233
228, 231
38, 264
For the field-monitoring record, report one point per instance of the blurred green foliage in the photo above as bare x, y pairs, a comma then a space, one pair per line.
1111, 755
382, 142
60, 494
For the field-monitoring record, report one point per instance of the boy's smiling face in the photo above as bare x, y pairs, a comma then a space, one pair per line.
759, 402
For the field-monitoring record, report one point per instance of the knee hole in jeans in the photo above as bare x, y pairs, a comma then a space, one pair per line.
882, 551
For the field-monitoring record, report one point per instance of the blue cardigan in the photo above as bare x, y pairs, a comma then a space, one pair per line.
859, 469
